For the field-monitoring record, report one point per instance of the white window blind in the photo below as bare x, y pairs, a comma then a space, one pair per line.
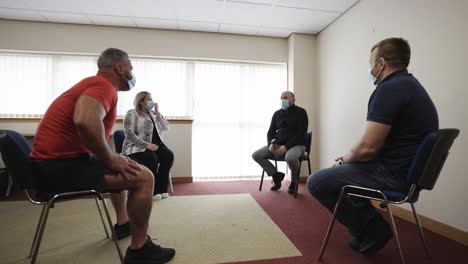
231, 103
32, 81
233, 107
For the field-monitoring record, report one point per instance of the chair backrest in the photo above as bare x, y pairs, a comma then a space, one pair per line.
119, 137
430, 158
15, 151
308, 142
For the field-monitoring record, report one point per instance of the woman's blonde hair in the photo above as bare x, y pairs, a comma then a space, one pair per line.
140, 97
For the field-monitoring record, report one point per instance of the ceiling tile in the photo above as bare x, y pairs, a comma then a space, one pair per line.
17, 14
240, 14
201, 10
325, 5
156, 23
275, 32
18, 4
274, 17
112, 21
198, 26
262, 2
65, 17
160, 9
238, 29
107, 7
65, 6
300, 19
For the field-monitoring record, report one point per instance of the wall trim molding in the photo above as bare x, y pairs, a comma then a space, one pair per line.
182, 179
435, 226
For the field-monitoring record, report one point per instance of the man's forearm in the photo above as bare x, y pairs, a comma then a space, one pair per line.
359, 153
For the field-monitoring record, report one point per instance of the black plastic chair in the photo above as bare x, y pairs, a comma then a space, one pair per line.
305, 157
423, 173
15, 151
119, 138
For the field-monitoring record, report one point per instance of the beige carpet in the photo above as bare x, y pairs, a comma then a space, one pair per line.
203, 229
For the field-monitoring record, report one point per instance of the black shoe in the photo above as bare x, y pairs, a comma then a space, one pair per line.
277, 179
292, 188
355, 244
150, 253
378, 233
122, 231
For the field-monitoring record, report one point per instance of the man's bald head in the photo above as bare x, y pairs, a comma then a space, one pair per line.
288, 95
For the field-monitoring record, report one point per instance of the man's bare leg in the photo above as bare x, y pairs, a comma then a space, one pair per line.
139, 204
119, 201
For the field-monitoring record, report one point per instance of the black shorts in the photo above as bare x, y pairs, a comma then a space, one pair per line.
84, 172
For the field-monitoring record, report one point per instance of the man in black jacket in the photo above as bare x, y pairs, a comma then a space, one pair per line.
286, 137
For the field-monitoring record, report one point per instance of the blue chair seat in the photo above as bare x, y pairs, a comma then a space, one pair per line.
398, 196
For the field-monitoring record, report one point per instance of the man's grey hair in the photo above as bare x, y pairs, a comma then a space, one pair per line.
140, 97
110, 57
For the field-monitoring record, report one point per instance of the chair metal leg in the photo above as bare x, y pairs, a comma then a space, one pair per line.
261, 181
37, 231
330, 226
100, 214
395, 233
420, 230
41, 231
308, 163
10, 185
170, 183
114, 236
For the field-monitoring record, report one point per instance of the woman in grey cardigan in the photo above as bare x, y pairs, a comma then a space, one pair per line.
143, 142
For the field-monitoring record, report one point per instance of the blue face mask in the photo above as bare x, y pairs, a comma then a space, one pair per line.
150, 105
132, 81
284, 104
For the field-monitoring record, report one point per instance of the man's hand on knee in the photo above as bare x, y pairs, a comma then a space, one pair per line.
128, 168
281, 151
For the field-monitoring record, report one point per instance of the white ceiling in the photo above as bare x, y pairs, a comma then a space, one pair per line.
274, 18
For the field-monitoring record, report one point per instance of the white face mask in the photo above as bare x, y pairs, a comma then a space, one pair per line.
371, 76
284, 104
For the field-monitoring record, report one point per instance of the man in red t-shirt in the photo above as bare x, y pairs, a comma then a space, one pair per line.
70, 153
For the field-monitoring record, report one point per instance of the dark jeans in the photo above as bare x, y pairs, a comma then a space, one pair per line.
163, 157
325, 185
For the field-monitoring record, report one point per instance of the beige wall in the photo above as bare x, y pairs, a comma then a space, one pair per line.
302, 79
436, 31
53, 37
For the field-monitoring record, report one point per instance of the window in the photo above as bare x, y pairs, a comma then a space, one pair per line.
233, 106
232, 103
32, 81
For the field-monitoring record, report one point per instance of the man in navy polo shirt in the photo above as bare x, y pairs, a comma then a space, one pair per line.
400, 113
